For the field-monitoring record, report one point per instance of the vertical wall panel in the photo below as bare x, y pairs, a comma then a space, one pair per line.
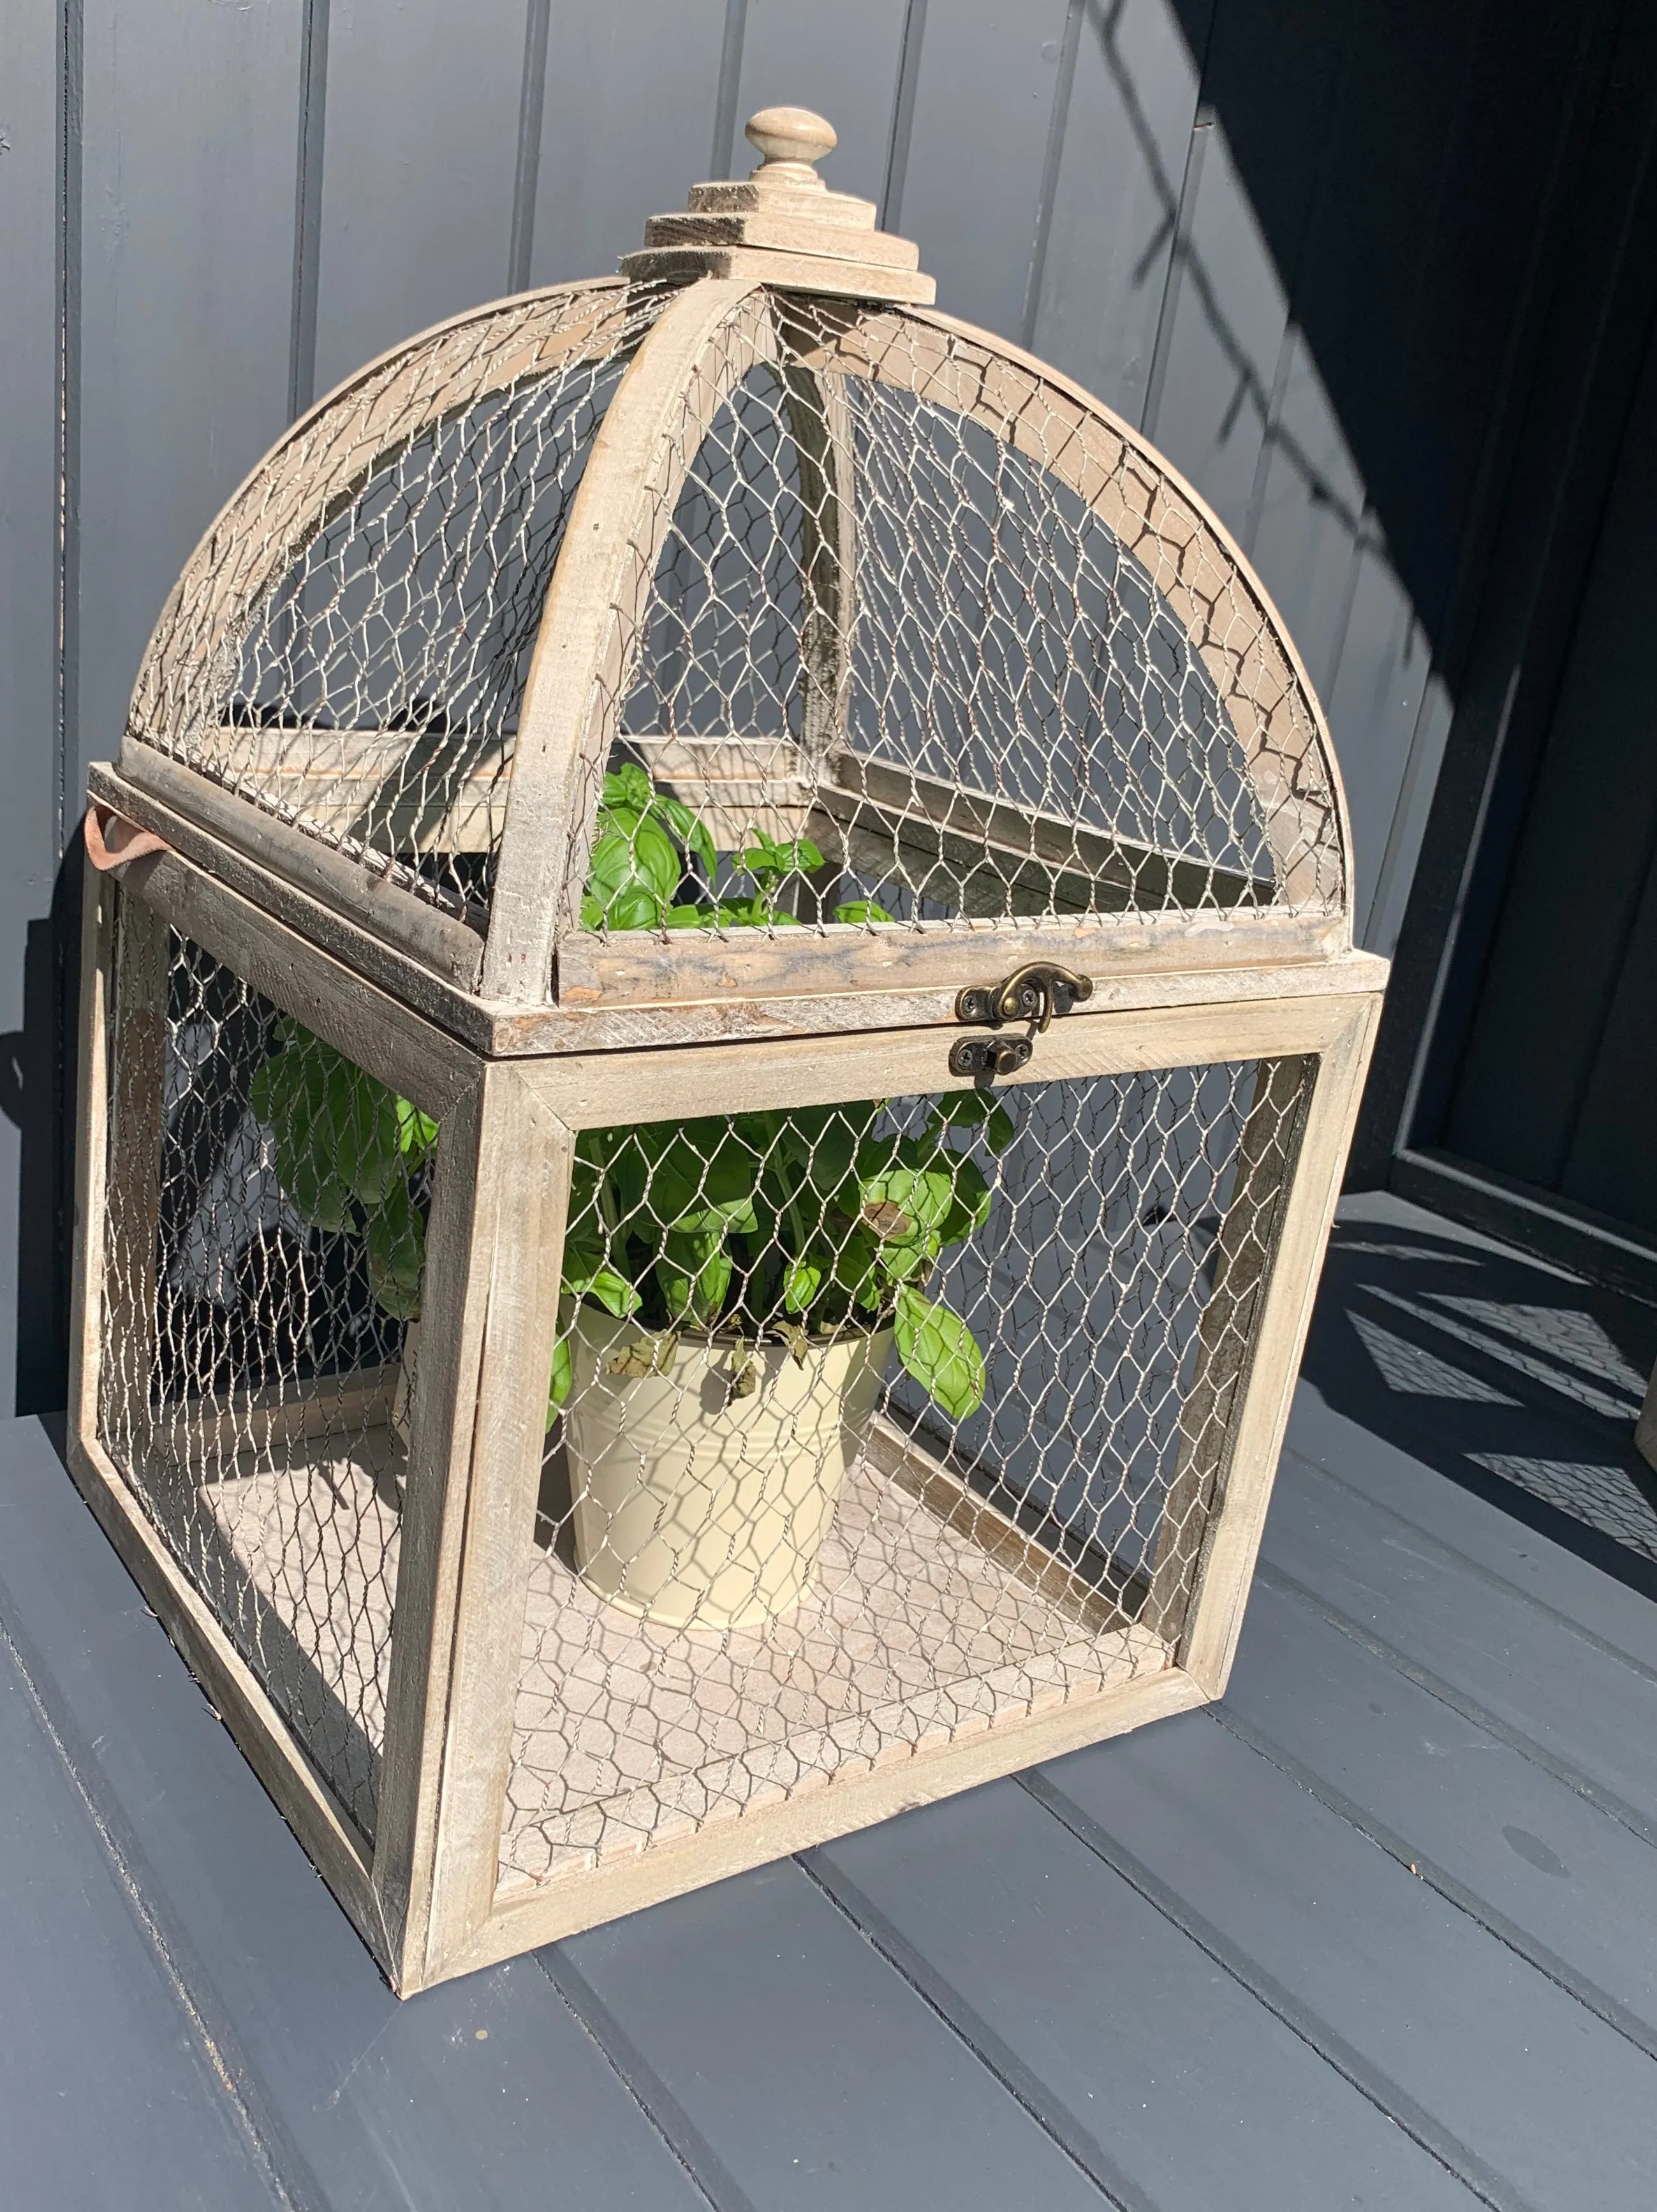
631, 89
1303, 275
1375, 704
842, 60
419, 166
28, 613
1302, 531
982, 116
1223, 336
1383, 917
191, 125
1116, 202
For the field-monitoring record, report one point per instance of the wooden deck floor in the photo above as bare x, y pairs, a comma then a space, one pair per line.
1380, 1931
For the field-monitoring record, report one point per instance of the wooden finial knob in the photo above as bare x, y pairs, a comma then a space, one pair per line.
790, 138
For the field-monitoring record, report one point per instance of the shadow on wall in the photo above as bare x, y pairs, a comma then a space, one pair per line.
1266, 285
1516, 1380
38, 1085
1351, 234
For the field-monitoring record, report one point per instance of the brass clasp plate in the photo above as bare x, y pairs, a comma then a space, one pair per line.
1033, 995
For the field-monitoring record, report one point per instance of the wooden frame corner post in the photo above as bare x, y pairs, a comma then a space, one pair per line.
1226, 1567
491, 1314
331, 1840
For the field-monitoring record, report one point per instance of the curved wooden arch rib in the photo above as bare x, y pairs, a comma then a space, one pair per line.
320, 465
1196, 565
699, 350
819, 424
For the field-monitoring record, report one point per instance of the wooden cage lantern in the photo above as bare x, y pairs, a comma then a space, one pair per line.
720, 1031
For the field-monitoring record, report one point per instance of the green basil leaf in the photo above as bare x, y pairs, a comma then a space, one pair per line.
697, 1270
318, 1197
767, 860
588, 1274
632, 852
416, 1132
941, 1352
609, 1290
369, 1138
563, 1375
628, 785
691, 832
903, 1262
634, 906
974, 1109
971, 1192
801, 1281
856, 1270
862, 911
395, 1249
609, 865
923, 1194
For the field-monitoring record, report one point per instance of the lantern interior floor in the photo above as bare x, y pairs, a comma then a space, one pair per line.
630, 1734
300, 1566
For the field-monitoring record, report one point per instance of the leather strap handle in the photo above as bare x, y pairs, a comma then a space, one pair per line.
112, 841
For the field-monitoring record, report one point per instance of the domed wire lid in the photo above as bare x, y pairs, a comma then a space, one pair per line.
747, 609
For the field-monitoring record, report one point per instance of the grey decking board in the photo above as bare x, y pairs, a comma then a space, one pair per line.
1543, 2095
1524, 1852
1583, 1706
1490, 1541
386, 2104
108, 2096
1140, 2043
812, 2073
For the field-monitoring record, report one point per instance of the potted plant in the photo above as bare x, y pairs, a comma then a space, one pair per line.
733, 1287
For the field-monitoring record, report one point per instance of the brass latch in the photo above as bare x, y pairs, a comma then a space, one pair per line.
1033, 995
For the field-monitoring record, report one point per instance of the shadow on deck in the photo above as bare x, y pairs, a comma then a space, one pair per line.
1382, 1929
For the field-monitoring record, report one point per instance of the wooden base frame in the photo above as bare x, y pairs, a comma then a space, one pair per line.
424, 1893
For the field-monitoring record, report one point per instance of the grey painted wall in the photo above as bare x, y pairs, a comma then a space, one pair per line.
1291, 239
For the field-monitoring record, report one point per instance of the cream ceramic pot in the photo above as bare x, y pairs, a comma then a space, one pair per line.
704, 1473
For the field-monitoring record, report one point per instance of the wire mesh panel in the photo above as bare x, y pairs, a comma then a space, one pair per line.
929, 642
355, 657
264, 1254
874, 1426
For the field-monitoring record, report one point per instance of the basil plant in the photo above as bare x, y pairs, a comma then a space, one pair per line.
348, 1151
786, 1225
782, 1225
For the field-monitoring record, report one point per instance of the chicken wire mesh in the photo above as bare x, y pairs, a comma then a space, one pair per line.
929, 639
874, 1426
263, 1250
354, 655
924, 645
